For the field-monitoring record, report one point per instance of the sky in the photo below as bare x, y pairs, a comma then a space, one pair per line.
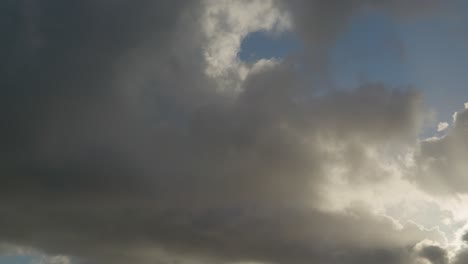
233, 132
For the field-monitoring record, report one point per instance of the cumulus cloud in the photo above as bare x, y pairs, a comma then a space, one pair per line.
119, 144
224, 25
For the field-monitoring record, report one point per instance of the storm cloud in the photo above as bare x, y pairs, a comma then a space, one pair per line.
125, 141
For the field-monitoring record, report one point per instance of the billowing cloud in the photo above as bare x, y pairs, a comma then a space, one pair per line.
123, 142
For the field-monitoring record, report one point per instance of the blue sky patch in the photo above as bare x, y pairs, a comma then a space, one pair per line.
263, 45
369, 50
16, 259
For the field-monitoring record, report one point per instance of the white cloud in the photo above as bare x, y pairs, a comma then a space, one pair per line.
225, 24
442, 126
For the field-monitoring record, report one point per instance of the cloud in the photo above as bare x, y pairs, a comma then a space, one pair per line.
53, 260
442, 126
247, 189
465, 237
440, 161
224, 25
118, 146
435, 254
461, 255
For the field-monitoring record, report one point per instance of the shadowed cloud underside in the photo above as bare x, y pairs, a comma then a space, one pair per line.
213, 132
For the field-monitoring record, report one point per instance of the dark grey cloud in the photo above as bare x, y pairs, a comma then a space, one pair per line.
465, 237
435, 254
115, 145
461, 257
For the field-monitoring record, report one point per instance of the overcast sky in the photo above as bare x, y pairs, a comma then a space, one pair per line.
233, 132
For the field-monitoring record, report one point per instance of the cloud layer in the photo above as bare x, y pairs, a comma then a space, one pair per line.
133, 134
